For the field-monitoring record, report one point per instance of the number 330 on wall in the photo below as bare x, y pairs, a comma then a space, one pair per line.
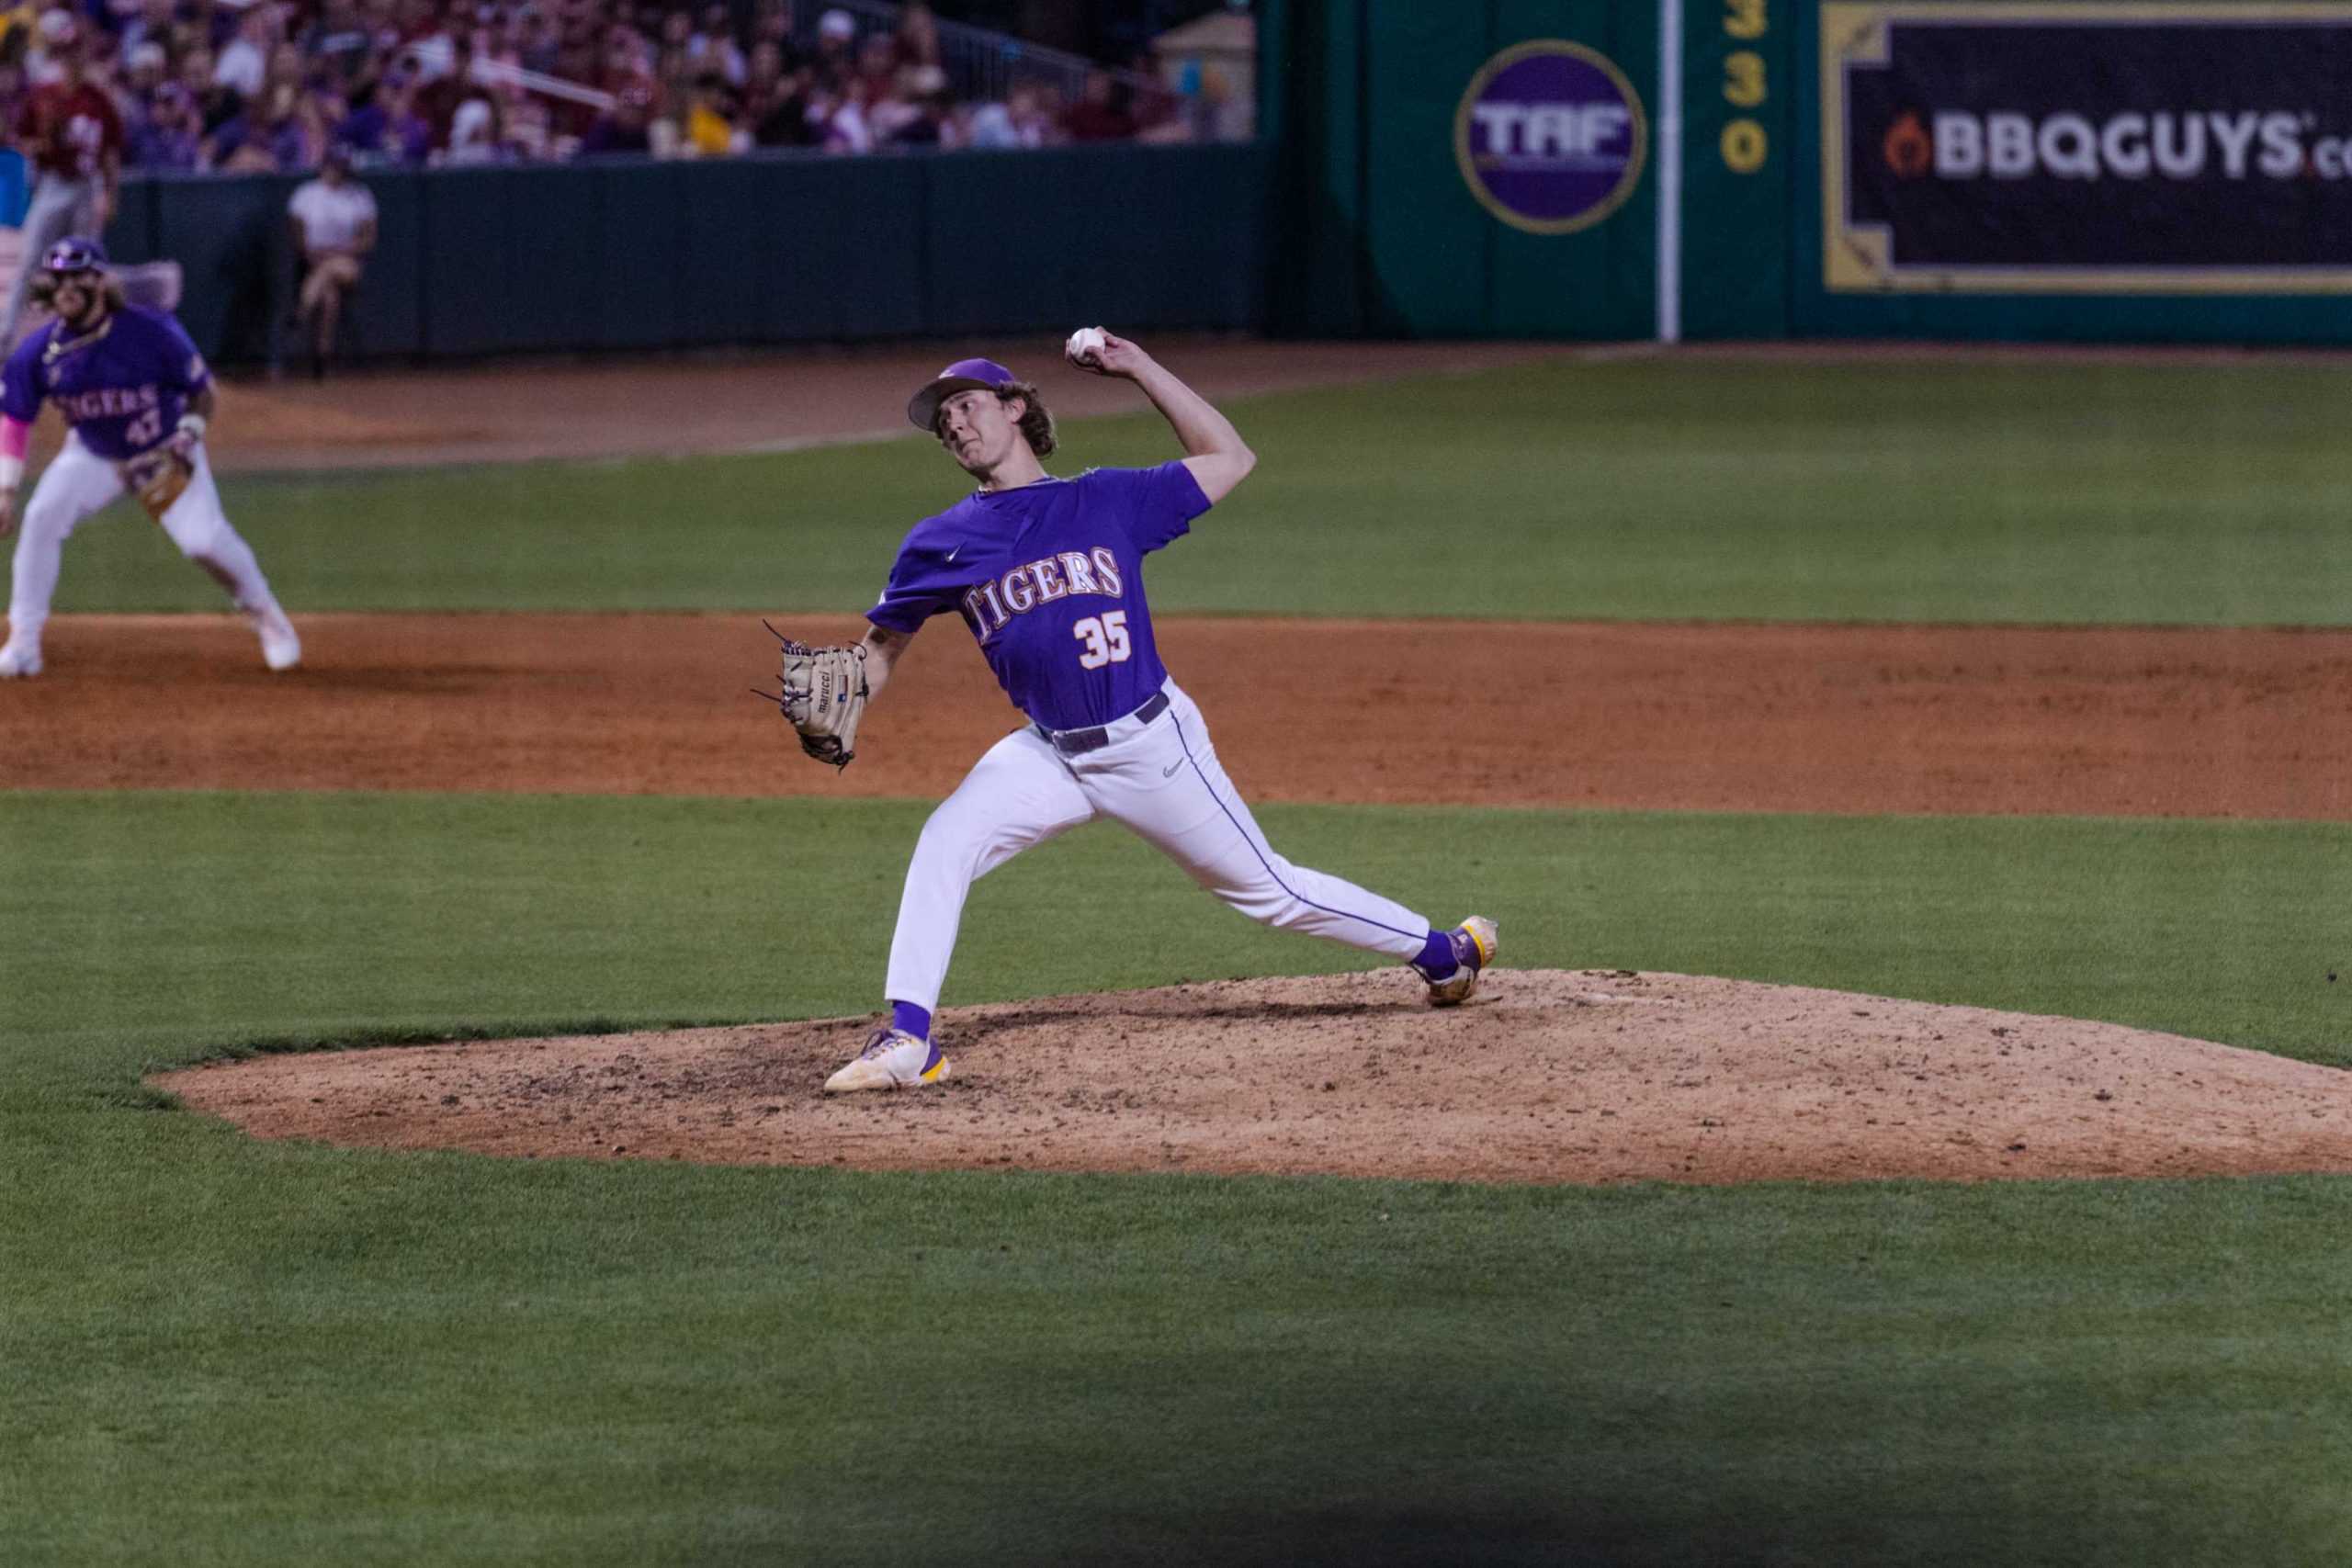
1745, 144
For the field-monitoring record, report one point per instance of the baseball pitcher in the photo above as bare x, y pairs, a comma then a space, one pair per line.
1047, 575
136, 396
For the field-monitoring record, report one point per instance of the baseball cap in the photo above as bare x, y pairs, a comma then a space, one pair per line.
963, 376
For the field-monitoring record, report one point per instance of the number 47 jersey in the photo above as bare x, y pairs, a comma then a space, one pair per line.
1049, 579
122, 387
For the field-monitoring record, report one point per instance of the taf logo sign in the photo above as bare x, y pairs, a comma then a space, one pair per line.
1551, 137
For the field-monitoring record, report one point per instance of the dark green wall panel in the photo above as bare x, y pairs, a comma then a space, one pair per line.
712, 267
389, 310
1374, 231
471, 274
1007, 234
1429, 242
847, 251
229, 236
547, 255
636, 251
1738, 211
1601, 282
645, 256
1206, 243
130, 233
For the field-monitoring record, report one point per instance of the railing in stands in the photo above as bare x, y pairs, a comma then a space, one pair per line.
981, 65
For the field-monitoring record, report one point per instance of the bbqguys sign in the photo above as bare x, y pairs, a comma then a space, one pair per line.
1550, 137
2089, 148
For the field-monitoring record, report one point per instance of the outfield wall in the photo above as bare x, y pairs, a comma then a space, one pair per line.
629, 255
2009, 169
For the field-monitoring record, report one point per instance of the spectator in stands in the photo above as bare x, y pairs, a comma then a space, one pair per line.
842, 116
215, 105
708, 130
243, 65
169, 135
275, 134
624, 128
526, 124
927, 117
878, 66
333, 219
777, 109
836, 60
338, 41
1104, 114
916, 42
773, 27
712, 47
269, 83
1020, 121
537, 41
895, 105
477, 132
143, 67
151, 22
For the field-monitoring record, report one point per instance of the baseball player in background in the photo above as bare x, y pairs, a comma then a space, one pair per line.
1047, 574
74, 140
136, 396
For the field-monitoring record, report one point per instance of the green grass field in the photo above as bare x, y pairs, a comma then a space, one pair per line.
214, 1351
1642, 489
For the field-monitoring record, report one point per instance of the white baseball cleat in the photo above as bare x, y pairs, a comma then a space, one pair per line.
1475, 943
281, 648
19, 658
892, 1059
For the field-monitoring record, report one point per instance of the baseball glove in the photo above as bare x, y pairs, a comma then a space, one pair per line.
824, 696
158, 477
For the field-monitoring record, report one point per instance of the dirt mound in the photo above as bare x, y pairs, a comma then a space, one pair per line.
1549, 1076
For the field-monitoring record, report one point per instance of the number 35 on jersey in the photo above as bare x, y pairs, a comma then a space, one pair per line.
1105, 637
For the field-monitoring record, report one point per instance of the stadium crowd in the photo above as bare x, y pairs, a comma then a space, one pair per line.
275, 85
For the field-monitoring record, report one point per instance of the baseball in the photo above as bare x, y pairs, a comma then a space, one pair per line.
1084, 343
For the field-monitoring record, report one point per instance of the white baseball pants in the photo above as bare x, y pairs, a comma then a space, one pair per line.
1161, 779
79, 482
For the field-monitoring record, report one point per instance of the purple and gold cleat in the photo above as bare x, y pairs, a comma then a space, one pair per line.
892, 1059
1475, 946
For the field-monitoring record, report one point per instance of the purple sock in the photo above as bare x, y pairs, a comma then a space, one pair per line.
1436, 961
911, 1019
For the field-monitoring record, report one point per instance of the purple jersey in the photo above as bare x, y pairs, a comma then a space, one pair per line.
122, 387
1049, 578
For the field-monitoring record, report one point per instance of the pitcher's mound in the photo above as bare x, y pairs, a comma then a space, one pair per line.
1547, 1076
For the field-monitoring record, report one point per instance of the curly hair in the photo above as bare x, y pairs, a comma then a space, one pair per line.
1036, 422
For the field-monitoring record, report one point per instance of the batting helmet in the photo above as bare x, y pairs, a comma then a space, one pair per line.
74, 253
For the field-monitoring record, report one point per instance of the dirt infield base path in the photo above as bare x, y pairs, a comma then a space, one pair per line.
2106, 721
1548, 1077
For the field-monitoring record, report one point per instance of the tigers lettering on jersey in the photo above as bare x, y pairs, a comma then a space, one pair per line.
107, 402
992, 605
123, 385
